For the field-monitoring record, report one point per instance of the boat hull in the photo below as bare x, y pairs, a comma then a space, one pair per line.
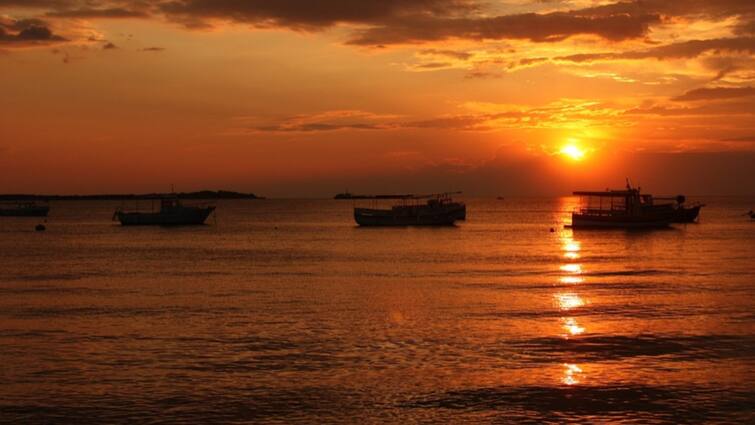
586, 221
25, 212
383, 218
184, 217
460, 210
457, 209
687, 215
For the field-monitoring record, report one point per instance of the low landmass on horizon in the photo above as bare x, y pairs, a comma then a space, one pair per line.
202, 194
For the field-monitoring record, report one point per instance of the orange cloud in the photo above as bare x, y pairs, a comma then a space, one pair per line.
26, 32
716, 93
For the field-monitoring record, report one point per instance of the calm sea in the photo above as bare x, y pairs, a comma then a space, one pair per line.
283, 311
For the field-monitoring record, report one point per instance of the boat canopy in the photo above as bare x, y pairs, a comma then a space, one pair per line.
436, 195
412, 196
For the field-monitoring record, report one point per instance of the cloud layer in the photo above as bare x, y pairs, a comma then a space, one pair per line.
385, 22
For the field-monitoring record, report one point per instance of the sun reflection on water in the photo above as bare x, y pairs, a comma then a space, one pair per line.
571, 268
571, 280
569, 301
572, 374
570, 247
572, 273
572, 327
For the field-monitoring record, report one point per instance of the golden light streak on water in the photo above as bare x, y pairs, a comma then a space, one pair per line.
569, 301
571, 268
572, 327
571, 280
572, 374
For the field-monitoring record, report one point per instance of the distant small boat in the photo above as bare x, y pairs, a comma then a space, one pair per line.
751, 214
346, 195
500, 198
172, 213
438, 210
619, 209
24, 209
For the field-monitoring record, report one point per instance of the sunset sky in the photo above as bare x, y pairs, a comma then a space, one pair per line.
308, 98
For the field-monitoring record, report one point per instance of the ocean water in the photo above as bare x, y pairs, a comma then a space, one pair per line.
283, 311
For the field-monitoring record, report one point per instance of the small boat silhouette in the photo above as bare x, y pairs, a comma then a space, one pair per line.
24, 209
172, 213
438, 210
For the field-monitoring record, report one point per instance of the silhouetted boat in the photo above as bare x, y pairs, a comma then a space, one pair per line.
438, 210
24, 209
346, 195
751, 214
620, 209
172, 213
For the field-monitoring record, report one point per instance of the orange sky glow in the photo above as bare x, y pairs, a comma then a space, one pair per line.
308, 98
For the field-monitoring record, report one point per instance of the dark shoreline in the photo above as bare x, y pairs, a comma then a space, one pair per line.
203, 194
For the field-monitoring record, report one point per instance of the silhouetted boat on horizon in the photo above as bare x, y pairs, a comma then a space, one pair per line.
172, 213
347, 195
438, 210
24, 209
626, 209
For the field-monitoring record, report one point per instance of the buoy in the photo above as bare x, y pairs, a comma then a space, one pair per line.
40, 228
552, 230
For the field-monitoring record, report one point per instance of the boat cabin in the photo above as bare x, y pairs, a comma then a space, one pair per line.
612, 202
167, 204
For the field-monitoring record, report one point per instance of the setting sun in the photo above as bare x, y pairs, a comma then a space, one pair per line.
572, 151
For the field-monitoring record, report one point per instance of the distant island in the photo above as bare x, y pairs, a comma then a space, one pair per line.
202, 194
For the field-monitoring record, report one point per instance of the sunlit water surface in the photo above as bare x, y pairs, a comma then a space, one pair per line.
284, 311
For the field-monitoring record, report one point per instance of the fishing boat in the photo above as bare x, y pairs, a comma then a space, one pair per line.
437, 210
626, 209
24, 209
172, 213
